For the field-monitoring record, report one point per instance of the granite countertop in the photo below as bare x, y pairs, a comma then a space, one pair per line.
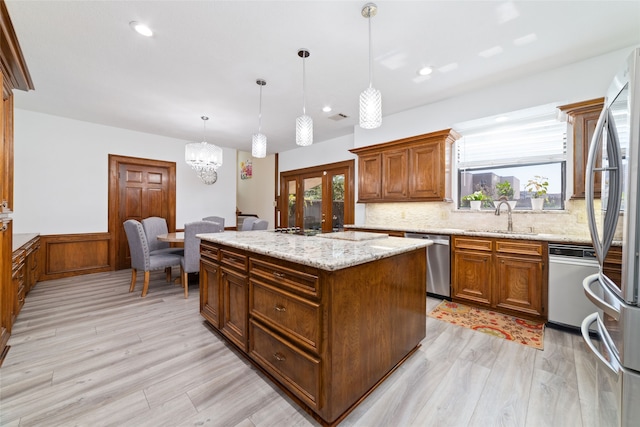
331, 251
521, 235
20, 239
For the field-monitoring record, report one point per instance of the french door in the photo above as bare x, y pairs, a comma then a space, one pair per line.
318, 199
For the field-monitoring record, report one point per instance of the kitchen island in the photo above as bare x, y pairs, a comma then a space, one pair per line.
327, 318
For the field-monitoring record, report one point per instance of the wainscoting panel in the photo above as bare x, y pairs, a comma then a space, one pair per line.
68, 255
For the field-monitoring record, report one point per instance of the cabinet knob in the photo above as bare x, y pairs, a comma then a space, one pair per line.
278, 275
279, 357
280, 308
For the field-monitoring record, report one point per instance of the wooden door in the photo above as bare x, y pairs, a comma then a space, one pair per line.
138, 189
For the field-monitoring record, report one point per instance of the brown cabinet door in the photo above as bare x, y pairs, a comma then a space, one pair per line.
472, 276
394, 175
519, 284
210, 292
425, 171
235, 307
370, 177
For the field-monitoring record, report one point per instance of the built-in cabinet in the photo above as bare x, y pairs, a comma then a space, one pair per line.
326, 338
24, 273
410, 169
13, 75
582, 118
505, 275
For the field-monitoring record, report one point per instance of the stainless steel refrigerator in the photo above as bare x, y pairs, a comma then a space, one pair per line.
613, 331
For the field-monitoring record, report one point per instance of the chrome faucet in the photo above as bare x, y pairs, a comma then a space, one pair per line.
510, 220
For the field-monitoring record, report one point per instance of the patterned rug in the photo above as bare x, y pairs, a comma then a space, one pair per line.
500, 325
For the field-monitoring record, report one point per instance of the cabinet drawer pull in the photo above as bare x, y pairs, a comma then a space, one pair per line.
278, 275
280, 308
279, 357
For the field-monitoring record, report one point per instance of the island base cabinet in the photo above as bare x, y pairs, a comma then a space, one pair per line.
326, 338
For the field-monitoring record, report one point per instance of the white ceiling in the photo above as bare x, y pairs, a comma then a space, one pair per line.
205, 56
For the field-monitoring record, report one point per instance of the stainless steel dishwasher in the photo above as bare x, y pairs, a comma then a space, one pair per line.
438, 264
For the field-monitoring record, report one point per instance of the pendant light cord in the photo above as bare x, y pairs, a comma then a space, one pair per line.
304, 86
370, 54
260, 112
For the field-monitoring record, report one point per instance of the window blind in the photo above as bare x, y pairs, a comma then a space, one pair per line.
531, 140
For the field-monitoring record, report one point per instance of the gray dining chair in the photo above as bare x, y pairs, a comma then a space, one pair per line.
142, 259
247, 223
190, 262
218, 219
153, 227
260, 224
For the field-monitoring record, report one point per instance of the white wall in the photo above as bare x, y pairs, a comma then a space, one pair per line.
330, 151
61, 175
580, 81
257, 195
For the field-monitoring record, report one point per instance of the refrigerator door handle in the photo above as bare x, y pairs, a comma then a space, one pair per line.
596, 300
584, 328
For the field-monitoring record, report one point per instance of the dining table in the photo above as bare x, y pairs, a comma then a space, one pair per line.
175, 237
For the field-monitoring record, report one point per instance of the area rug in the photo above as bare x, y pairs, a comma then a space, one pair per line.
500, 325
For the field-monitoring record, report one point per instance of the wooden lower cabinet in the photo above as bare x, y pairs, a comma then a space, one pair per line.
24, 274
504, 275
326, 338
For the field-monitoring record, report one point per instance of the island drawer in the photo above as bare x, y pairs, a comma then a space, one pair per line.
520, 247
296, 370
475, 243
210, 252
297, 318
284, 277
234, 259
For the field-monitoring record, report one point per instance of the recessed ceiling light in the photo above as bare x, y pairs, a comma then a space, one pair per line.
496, 50
326, 109
425, 71
141, 28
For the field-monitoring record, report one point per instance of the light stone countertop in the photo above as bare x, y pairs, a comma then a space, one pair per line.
331, 251
20, 239
522, 235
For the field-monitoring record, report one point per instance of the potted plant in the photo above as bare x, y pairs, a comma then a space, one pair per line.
537, 186
505, 192
475, 199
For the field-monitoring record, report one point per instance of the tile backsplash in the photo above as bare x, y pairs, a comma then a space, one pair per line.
432, 215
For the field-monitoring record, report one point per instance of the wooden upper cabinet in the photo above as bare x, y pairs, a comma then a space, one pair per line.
410, 169
582, 118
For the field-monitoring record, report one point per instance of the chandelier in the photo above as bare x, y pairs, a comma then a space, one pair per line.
259, 140
370, 98
304, 123
204, 158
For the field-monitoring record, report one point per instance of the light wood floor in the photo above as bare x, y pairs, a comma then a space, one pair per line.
86, 352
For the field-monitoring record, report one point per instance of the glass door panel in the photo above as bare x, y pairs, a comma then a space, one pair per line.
313, 216
337, 201
291, 203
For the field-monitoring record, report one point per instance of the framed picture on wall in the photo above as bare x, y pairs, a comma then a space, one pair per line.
246, 170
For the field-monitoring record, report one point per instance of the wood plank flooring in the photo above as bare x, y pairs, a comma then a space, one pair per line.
86, 352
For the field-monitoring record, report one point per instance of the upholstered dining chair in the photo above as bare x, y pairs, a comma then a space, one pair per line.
153, 227
260, 224
142, 259
247, 223
190, 263
218, 219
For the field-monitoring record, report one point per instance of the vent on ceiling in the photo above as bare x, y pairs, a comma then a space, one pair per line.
338, 116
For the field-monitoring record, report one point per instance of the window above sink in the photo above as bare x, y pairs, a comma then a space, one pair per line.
498, 156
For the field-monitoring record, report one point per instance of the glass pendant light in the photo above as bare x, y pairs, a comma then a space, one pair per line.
304, 123
204, 158
259, 140
370, 98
